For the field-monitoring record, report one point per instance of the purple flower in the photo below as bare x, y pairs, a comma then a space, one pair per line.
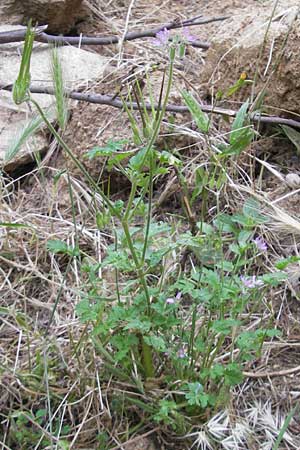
260, 244
188, 36
172, 300
251, 282
162, 38
181, 353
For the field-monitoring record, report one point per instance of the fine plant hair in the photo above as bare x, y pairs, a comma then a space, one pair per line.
35, 124
59, 89
29, 129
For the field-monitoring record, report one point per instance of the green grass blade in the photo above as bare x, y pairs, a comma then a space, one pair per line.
59, 89
285, 426
200, 117
24, 134
22, 84
293, 135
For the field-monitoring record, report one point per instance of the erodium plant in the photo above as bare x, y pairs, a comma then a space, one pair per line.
176, 332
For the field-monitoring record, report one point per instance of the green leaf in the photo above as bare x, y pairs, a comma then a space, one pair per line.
241, 143
118, 205
243, 220
225, 326
283, 263
157, 342
293, 135
238, 122
102, 219
118, 259
195, 395
116, 159
138, 325
226, 266
159, 228
244, 237
124, 344
241, 133
62, 444
224, 223
57, 246
41, 413
285, 426
4, 311
237, 86
168, 158
166, 409
206, 228
233, 374
59, 89
108, 150
99, 151
252, 208
14, 225
270, 333
216, 372
211, 277
275, 278
22, 136
140, 159
89, 311
200, 117
22, 84
154, 257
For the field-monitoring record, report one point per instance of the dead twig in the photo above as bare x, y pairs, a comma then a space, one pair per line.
136, 439
279, 373
112, 100
19, 35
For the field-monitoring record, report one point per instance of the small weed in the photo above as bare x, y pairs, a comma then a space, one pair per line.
172, 322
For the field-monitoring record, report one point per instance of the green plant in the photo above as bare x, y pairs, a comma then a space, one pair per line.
161, 324
27, 430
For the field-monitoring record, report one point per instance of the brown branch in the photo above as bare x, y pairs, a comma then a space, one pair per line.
115, 102
136, 439
19, 35
279, 373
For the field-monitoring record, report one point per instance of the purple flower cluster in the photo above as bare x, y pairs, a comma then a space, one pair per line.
251, 282
172, 300
181, 353
163, 37
260, 244
188, 36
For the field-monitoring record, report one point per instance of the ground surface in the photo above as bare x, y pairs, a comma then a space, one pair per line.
269, 392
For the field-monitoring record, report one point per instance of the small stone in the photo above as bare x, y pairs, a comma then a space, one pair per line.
78, 66
293, 180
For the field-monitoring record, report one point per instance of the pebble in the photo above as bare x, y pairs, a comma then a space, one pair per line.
293, 180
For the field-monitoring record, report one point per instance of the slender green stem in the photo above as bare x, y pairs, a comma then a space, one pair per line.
138, 267
210, 360
192, 337
149, 148
117, 271
58, 296
147, 359
130, 201
76, 160
149, 214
